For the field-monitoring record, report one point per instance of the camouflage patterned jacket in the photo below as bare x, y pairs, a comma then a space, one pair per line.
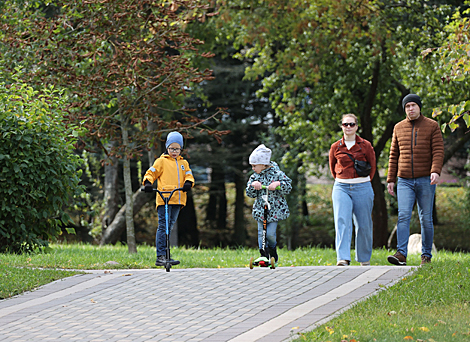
279, 208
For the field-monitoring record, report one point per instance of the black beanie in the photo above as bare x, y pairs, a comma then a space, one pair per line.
411, 98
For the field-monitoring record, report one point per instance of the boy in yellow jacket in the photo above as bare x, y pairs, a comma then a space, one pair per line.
171, 171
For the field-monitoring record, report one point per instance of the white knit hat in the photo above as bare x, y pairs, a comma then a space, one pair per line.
261, 155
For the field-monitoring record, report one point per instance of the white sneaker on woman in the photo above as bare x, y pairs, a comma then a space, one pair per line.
343, 263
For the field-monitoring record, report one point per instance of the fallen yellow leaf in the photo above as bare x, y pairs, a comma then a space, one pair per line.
424, 329
408, 338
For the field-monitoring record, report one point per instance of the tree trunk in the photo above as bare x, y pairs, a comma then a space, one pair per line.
111, 195
131, 245
379, 213
222, 208
239, 231
216, 212
188, 235
295, 200
153, 149
115, 229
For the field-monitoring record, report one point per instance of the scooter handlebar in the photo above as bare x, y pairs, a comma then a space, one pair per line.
277, 188
165, 199
142, 188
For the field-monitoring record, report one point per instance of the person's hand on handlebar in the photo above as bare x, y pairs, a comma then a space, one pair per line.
274, 185
148, 186
257, 185
187, 186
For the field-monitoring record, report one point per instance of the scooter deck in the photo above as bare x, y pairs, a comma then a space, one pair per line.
263, 263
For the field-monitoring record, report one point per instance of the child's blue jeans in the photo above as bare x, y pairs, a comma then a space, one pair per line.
270, 234
160, 240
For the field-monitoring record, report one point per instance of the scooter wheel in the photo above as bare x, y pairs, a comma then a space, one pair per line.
168, 266
273, 263
251, 263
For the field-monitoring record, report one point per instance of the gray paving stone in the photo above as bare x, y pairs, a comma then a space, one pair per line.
190, 304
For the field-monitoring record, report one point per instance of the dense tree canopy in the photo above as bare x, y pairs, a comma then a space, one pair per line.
320, 59
119, 59
455, 65
128, 66
124, 64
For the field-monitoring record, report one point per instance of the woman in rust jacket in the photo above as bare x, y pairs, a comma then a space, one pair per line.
353, 197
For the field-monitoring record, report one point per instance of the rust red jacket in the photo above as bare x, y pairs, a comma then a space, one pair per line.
417, 149
341, 166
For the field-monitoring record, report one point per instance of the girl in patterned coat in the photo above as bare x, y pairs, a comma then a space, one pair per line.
268, 173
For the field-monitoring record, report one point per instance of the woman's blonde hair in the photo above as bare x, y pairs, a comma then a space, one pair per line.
349, 115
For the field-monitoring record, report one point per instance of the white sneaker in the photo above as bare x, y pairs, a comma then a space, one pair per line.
343, 263
366, 263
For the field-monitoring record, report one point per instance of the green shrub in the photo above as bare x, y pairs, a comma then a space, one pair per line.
38, 169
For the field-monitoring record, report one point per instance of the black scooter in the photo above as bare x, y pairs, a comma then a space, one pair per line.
166, 199
264, 261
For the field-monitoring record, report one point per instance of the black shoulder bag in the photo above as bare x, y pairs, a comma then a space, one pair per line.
362, 167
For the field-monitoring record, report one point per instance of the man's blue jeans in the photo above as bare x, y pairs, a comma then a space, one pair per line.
270, 234
353, 202
160, 240
410, 190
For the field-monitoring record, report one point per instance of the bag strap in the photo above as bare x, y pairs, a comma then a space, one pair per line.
349, 155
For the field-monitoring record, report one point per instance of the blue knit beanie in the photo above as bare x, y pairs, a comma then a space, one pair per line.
411, 98
174, 137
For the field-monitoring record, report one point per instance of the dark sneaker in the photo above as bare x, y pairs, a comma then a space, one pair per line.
425, 260
174, 262
397, 259
160, 261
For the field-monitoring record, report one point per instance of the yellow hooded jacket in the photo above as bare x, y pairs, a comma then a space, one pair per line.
171, 173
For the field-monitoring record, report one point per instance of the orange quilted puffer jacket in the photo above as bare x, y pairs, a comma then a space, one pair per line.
417, 149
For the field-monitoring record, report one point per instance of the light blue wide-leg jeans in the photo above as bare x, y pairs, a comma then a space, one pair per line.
410, 190
353, 202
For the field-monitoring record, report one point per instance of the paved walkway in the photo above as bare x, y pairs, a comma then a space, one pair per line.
233, 305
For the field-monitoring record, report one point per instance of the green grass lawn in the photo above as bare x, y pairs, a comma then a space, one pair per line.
433, 304
16, 280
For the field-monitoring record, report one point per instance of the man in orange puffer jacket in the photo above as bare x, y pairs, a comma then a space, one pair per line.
416, 158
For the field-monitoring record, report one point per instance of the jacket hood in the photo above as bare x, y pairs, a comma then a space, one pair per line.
166, 155
273, 167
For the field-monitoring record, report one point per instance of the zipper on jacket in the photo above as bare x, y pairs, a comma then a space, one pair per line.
412, 169
416, 136
179, 182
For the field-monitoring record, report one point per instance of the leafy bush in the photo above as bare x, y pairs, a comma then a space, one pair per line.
37, 167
